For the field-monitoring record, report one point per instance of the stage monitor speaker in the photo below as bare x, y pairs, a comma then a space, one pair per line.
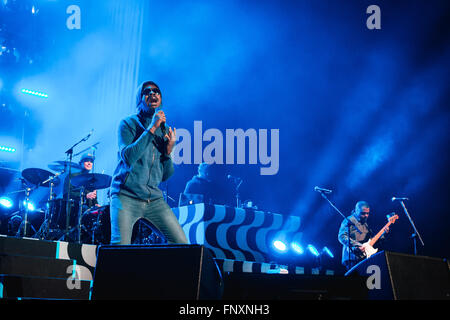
156, 272
401, 276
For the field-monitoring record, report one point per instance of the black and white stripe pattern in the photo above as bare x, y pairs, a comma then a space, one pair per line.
235, 233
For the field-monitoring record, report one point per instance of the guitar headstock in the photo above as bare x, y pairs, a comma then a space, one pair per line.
392, 217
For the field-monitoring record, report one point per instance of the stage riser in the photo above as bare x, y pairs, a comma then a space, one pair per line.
226, 265
84, 255
39, 269
36, 266
51, 264
15, 287
175, 272
27, 247
292, 287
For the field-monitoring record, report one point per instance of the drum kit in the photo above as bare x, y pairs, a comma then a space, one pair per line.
64, 218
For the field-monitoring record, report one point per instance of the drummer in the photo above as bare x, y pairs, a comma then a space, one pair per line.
90, 200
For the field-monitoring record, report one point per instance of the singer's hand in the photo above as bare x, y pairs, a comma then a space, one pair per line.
171, 137
158, 118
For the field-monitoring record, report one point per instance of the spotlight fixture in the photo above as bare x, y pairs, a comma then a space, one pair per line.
6, 202
297, 248
313, 250
7, 149
328, 252
280, 245
34, 93
29, 205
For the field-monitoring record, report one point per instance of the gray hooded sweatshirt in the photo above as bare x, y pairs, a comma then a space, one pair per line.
143, 162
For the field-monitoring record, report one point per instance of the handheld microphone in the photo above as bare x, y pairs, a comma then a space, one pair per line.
163, 124
398, 199
318, 189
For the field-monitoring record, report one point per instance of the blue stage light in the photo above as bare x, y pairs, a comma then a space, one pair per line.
7, 149
297, 248
313, 250
6, 202
30, 205
328, 252
280, 245
35, 93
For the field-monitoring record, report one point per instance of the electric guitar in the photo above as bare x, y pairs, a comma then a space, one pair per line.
369, 250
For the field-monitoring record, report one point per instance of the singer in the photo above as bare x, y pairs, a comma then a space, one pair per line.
144, 161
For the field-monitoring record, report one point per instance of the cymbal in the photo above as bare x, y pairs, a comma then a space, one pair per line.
64, 166
36, 176
91, 181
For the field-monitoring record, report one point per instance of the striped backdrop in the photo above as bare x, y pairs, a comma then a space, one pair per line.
235, 233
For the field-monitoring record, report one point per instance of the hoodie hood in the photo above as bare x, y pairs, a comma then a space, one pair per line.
141, 106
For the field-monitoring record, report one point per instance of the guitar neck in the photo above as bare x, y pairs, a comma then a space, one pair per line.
378, 235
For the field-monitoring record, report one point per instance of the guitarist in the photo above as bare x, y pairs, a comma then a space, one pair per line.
358, 235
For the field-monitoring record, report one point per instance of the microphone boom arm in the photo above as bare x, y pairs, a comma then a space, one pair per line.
414, 227
349, 222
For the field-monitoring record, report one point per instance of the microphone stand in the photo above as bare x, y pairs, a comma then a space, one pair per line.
416, 233
69, 153
94, 146
349, 222
238, 204
25, 222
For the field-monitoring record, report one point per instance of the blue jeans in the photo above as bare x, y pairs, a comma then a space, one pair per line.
126, 211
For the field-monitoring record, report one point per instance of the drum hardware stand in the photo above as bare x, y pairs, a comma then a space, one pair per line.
18, 212
27, 191
78, 226
95, 225
25, 220
69, 153
80, 212
416, 233
45, 227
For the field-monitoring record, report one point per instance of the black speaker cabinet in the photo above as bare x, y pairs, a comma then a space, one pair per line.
401, 276
156, 272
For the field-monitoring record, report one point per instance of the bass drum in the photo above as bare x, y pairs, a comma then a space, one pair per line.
96, 226
58, 213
